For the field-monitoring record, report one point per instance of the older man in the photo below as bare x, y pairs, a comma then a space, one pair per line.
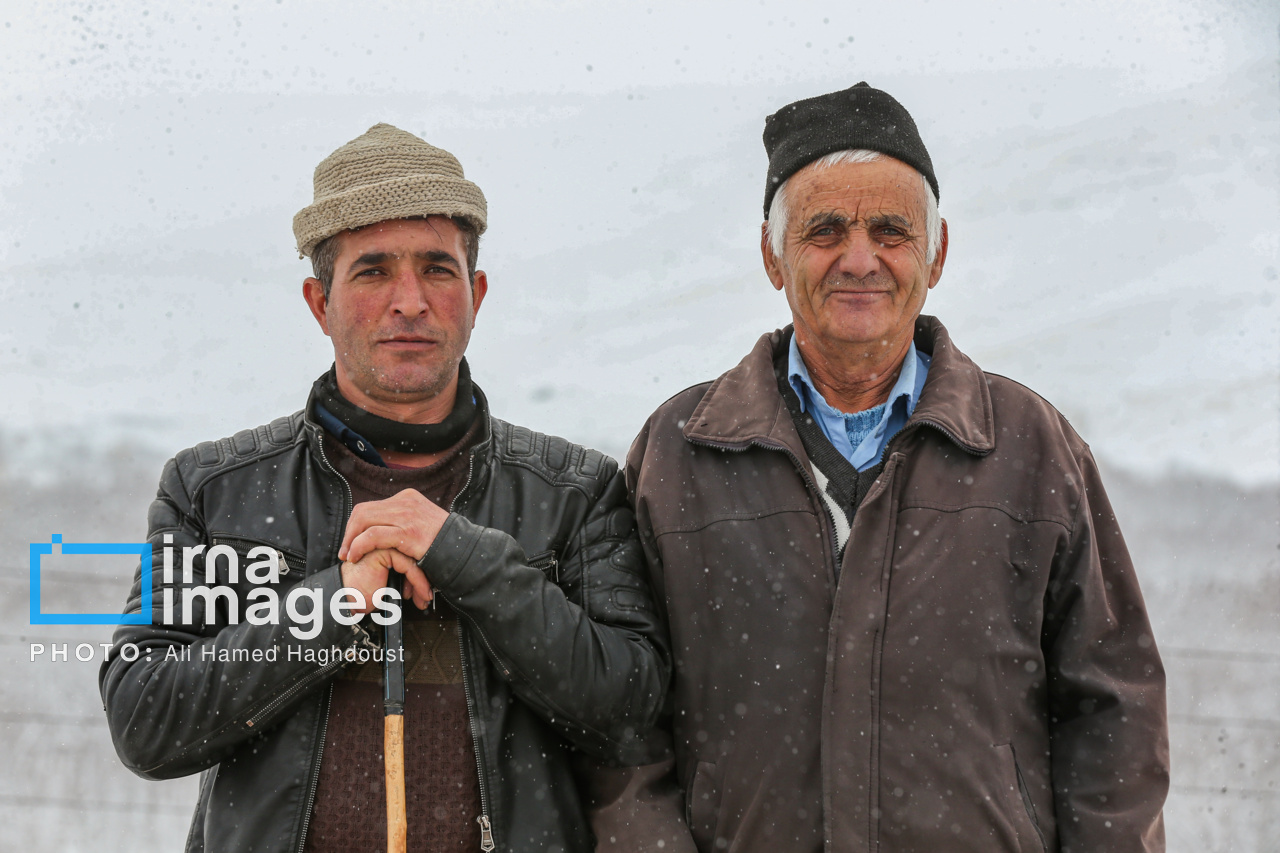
546, 648
902, 613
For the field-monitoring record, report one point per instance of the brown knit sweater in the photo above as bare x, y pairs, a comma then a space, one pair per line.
441, 787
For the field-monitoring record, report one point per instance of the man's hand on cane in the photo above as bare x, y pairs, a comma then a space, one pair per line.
370, 573
391, 534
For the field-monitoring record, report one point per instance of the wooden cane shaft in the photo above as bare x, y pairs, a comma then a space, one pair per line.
393, 749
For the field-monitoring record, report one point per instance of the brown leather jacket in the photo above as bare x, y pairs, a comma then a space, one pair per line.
983, 676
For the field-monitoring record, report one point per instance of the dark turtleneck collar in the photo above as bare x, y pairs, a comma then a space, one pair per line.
366, 431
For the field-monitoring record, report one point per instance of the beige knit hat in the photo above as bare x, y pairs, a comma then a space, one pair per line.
386, 174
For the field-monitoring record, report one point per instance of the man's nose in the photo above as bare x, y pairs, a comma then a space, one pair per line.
409, 295
859, 257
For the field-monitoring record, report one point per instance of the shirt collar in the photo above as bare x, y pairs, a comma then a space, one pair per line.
800, 381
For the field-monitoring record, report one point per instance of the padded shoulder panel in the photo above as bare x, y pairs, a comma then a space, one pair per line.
208, 458
556, 460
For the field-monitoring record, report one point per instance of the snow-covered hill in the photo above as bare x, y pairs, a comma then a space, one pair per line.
1121, 260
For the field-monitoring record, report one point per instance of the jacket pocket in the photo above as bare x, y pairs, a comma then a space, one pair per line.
1016, 799
702, 803
248, 586
547, 563
291, 563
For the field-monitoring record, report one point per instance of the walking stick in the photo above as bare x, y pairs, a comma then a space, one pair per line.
393, 726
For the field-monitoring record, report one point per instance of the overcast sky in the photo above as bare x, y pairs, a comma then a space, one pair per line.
1110, 173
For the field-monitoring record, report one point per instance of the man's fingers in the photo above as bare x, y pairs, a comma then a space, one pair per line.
418, 519
418, 587
372, 539
355, 526
367, 576
396, 511
364, 517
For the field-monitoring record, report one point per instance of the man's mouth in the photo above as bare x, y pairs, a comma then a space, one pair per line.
857, 290
859, 293
407, 341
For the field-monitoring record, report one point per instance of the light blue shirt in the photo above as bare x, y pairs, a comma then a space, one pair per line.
861, 437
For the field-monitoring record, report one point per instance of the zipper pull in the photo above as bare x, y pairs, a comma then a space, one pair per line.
486, 833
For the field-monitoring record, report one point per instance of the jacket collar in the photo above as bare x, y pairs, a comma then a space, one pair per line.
744, 407
313, 432
955, 398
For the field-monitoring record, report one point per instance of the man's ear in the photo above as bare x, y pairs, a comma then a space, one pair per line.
313, 292
772, 266
479, 287
939, 259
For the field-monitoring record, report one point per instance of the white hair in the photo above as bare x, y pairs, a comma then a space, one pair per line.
776, 226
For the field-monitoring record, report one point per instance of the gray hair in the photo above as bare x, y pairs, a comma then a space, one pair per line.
776, 226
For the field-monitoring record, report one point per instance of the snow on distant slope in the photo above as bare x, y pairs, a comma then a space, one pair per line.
1115, 250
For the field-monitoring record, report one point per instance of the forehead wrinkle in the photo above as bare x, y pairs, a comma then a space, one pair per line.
858, 203
862, 187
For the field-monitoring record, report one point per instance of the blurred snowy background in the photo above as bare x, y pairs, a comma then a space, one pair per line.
1110, 173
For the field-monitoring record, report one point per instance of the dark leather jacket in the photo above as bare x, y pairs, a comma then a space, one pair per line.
562, 647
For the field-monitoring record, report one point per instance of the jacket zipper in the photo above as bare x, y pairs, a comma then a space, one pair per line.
346, 508
547, 564
294, 690
487, 842
288, 559
486, 830
324, 720
486, 833
311, 794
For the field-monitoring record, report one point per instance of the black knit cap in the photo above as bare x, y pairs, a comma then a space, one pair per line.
858, 117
